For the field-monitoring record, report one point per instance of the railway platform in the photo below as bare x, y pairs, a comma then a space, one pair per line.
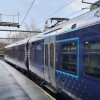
16, 86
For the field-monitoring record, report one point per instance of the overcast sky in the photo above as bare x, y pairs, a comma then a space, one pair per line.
39, 12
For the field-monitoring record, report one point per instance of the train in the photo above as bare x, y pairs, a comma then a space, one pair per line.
66, 55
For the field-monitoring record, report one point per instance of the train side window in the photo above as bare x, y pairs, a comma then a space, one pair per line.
68, 56
93, 46
46, 55
92, 58
52, 55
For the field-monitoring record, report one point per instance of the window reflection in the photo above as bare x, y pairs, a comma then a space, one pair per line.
92, 58
68, 57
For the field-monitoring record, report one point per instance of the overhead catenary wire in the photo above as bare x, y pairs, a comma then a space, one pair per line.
72, 14
51, 13
27, 12
56, 11
77, 11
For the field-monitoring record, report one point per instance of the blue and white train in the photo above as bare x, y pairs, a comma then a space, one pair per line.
66, 55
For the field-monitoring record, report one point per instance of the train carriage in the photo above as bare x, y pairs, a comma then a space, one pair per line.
77, 66
17, 54
66, 55
77, 56
36, 55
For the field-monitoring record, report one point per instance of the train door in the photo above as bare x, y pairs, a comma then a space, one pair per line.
49, 59
52, 60
46, 60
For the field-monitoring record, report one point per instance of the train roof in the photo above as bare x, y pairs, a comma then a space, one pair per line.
18, 43
84, 20
30, 39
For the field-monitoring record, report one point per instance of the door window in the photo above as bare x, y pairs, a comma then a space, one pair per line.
52, 55
46, 55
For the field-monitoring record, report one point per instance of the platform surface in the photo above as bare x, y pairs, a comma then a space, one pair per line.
16, 86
